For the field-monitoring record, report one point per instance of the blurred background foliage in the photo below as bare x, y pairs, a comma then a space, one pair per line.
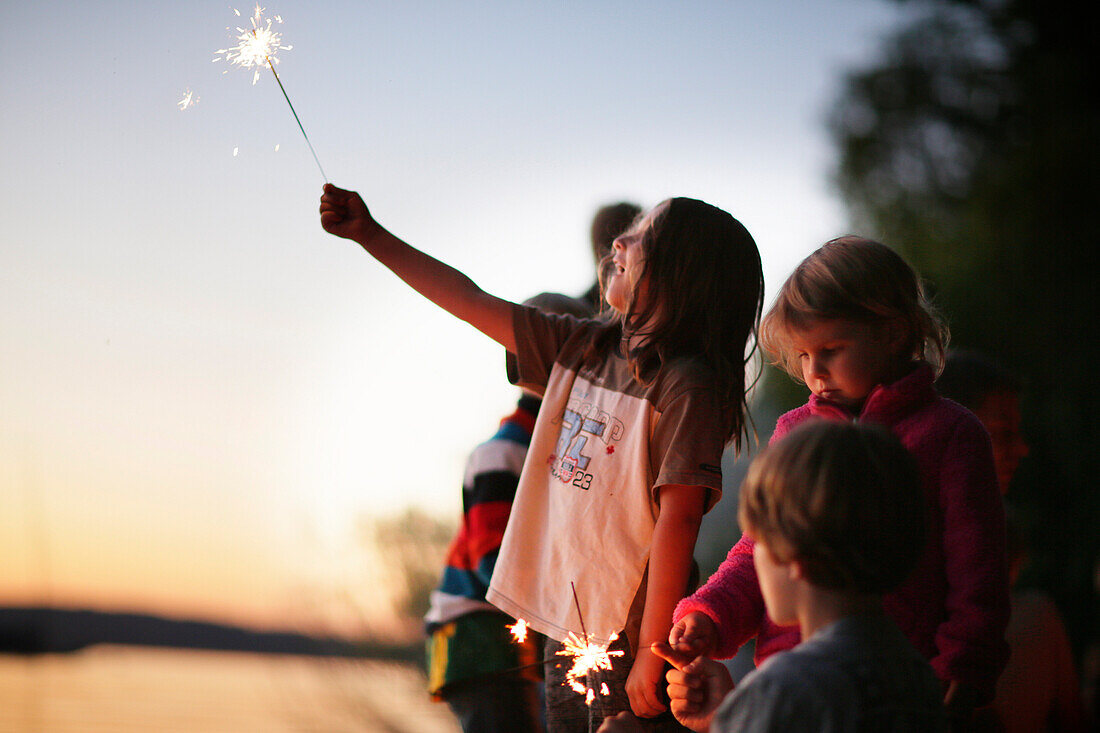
413, 545
970, 146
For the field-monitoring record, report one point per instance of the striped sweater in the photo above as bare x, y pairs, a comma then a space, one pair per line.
488, 489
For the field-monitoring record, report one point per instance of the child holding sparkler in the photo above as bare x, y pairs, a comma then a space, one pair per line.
625, 457
477, 662
853, 324
837, 513
489, 678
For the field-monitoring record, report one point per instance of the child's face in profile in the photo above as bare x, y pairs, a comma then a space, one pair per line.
842, 360
628, 260
776, 584
1000, 414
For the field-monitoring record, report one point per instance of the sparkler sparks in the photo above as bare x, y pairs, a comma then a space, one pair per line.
519, 630
587, 657
188, 100
257, 47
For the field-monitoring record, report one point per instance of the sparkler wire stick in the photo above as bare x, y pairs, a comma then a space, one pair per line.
261, 42
287, 98
588, 657
577, 603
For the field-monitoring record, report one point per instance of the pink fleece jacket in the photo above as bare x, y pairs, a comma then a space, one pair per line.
954, 606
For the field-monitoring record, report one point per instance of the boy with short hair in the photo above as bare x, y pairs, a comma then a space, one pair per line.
837, 513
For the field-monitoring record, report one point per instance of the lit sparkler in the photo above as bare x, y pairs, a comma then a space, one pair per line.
188, 100
258, 46
519, 630
587, 657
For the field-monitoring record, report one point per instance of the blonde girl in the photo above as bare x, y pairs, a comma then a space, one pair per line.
852, 323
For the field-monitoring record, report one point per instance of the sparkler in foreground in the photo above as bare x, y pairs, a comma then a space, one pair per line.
258, 47
519, 630
587, 657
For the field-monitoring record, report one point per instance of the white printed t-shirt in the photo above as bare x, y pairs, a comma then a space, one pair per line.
586, 506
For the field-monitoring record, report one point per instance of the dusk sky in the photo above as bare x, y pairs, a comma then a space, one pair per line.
201, 392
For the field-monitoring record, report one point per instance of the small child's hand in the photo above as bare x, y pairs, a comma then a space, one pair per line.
624, 722
695, 633
644, 682
344, 214
695, 688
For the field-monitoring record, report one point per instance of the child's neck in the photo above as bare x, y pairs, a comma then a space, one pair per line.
818, 607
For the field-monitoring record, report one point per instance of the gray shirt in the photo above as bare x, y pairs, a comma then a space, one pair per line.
856, 674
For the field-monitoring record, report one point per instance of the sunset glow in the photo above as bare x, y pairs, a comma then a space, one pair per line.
204, 397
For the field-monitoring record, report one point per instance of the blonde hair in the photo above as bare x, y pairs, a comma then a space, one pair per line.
855, 279
844, 499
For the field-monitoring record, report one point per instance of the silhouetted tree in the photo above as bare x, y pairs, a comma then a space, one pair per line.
413, 543
971, 146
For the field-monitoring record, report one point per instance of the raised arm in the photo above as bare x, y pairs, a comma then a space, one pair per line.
344, 214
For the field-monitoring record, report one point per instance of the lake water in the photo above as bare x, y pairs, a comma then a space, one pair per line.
116, 689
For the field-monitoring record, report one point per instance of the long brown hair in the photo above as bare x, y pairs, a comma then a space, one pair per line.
705, 293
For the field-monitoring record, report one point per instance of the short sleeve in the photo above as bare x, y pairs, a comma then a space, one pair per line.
539, 337
687, 443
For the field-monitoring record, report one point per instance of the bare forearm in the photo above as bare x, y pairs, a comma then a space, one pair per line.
669, 565
670, 560
445, 286
344, 214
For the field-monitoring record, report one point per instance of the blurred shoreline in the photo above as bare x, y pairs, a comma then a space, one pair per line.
41, 629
